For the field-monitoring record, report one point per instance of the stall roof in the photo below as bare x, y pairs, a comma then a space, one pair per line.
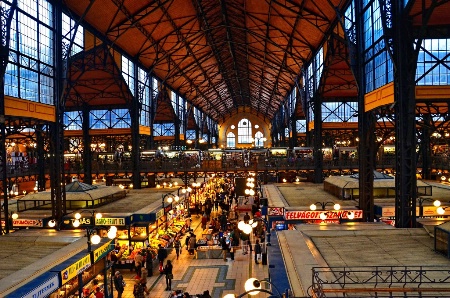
80, 196
349, 182
26, 254
77, 186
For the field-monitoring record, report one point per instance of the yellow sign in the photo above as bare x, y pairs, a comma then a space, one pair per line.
102, 251
160, 214
105, 221
76, 268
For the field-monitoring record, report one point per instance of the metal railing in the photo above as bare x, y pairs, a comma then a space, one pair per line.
380, 281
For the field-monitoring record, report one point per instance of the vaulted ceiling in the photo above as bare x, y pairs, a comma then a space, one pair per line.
220, 55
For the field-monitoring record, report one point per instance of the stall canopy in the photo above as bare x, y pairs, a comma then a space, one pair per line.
78, 196
347, 187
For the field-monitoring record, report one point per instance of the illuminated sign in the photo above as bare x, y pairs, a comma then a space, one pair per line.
160, 214
275, 211
388, 212
76, 268
306, 215
23, 222
105, 221
102, 251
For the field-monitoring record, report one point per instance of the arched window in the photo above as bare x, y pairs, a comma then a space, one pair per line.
259, 142
231, 140
244, 132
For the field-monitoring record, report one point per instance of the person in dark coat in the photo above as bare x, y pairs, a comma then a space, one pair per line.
223, 222
169, 275
162, 255
246, 217
225, 247
258, 251
118, 284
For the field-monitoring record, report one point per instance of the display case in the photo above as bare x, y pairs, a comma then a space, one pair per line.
278, 152
209, 252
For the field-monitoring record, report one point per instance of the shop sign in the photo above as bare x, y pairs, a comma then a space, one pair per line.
168, 208
103, 251
275, 211
23, 222
76, 268
388, 212
106, 221
160, 214
306, 215
427, 211
84, 221
45, 289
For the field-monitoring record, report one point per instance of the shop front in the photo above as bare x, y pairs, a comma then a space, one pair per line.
82, 274
134, 239
76, 277
42, 286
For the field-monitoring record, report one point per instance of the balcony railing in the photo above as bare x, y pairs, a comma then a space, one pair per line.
380, 281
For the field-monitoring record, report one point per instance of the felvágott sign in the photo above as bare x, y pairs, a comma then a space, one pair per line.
307, 215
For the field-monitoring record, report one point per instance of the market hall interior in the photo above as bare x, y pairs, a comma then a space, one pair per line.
31, 252
101, 99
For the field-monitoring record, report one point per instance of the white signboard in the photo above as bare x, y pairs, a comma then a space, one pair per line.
45, 289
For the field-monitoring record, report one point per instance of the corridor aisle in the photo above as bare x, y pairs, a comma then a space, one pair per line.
197, 275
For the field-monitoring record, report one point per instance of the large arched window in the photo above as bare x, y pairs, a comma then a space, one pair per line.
231, 140
259, 141
244, 132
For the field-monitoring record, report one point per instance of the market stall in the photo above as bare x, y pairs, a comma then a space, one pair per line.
76, 277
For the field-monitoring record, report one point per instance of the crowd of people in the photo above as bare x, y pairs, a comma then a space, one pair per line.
220, 218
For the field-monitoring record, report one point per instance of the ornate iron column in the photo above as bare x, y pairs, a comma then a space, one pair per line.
56, 162
318, 156
87, 153
40, 156
405, 126
6, 16
135, 135
425, 146
366, 123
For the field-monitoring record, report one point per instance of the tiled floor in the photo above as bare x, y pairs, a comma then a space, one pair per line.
197, 275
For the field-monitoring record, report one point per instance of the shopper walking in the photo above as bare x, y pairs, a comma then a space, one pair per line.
138, 263
258, 251
245, 241
177, 246
204, 221
192, 244
162, 255
119, 284
138, 290
231, 248
223, 243
169, 275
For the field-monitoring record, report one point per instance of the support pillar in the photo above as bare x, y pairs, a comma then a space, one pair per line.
405, 126
425, 147
318, 155
87, 153
366, 126
135, 137
6, 16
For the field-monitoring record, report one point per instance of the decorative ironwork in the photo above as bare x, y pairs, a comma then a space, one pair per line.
380, 281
